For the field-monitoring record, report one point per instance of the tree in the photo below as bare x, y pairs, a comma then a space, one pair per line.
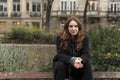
85, 14
48, 13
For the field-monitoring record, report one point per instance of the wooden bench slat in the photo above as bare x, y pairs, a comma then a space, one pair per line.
8, 75
106, 74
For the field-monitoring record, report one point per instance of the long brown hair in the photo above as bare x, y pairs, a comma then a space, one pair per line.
65, 35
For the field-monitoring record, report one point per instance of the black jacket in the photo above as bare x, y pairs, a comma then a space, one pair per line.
65, 55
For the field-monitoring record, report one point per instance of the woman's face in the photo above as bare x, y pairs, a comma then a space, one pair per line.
73, 28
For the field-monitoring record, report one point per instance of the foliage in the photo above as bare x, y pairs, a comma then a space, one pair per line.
106, 63
106, 41
105, 48
17, 58
20, 34
30, 35
15, 61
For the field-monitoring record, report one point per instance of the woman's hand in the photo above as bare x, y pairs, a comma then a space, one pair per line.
78, 64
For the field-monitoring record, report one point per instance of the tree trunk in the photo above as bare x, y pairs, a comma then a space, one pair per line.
85, 15
48, 14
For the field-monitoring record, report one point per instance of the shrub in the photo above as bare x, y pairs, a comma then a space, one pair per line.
21, 34
30, 58
30, 35
105, 48
44, 37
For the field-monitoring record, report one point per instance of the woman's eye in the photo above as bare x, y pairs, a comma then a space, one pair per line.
76, 25
70, 25
73, 25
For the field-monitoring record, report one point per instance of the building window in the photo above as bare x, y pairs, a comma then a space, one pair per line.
93, 5
3, 5
45, 7
27, 24
113, 7
63, 6
72, 6
27, 6
3, 8
3, 27
36, 24
36, 6
113, 1
16, 23
16, 5
16, 0
3, 1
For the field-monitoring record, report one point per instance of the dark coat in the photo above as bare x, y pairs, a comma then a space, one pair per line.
65, 55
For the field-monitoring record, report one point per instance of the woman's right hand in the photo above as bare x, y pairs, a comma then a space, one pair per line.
78, 64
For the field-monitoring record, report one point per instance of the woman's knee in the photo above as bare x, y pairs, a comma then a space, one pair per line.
59, 65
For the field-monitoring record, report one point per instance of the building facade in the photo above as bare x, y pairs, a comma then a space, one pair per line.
15, 13
104, 12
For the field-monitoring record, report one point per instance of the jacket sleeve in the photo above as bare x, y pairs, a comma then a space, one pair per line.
85, 50
61, 53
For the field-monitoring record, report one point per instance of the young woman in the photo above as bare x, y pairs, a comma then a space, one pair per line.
72, 58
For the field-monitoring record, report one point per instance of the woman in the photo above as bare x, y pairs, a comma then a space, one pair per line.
72, 58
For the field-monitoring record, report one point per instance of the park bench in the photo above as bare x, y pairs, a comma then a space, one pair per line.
49, 75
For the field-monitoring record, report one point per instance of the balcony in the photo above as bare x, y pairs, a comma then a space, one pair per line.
65, 13
93, 13
3, 14
15, 14
35, 14
114, 15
